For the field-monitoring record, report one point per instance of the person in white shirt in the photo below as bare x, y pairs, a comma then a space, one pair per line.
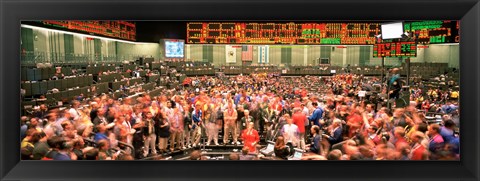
128, 127
291, 132
177, 100
306, 111
74, 113
175, 119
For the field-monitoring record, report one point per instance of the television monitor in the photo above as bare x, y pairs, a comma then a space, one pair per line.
392, 30
174, 48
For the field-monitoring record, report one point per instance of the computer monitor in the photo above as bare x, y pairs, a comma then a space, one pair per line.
270, 147
268, 151
298, 154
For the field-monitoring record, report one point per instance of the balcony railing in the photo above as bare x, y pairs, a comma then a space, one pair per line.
32, 58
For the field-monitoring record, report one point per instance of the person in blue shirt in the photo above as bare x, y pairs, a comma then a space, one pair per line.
100, 135
61, 156
455, 143
316, 115
24, 127
394, 84
59, 145
196, 116
447, 131
335, 135
449, 108
237, 98
239, 95
197, 122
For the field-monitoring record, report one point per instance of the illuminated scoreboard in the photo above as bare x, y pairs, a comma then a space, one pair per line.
431, 32
395, 49
115, 29
281, 33
328, 33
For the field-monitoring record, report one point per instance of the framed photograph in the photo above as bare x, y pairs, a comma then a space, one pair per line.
84, 90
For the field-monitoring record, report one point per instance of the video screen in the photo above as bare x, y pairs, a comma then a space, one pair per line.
392, 30
174, 48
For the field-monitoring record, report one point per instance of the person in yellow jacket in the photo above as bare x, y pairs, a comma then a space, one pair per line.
454, 95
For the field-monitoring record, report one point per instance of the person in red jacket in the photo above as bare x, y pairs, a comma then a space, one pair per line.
299, 120
419, 151
250, 138
304, 92
399, 135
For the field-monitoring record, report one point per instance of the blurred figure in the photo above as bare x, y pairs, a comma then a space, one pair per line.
419, 151
149, 133
230, 117
436, 141
281, 150
163, 130
291, 133
211, 125
176, 129
316, 146
197, 124
250, 138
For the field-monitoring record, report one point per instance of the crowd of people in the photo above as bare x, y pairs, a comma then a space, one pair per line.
328, 117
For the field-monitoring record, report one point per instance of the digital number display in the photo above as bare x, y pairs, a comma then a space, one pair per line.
395, 49
195, 26
434, 32
342, 33
116, 29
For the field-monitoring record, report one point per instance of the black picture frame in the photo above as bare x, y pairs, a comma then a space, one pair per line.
13, 11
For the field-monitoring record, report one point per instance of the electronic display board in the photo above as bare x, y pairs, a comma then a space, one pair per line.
395, 49
432, 32
116, 29
333, 33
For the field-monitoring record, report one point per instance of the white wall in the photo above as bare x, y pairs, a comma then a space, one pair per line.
297, 54
128, 50
275, 55
353, 54
47, 41
313, 54
420, 56
194, 53
219, 55
443, 54
40, 42
78, 45
339, 56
